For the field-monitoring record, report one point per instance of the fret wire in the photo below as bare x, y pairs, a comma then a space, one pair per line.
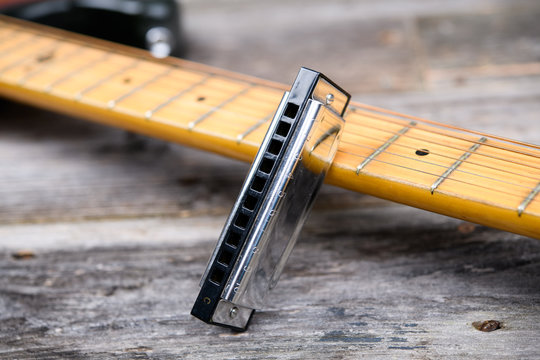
148, 114
18, 62
486, 155
194, 123
428, 173
521, 208
69, 75
451, 127
455, 165
46, 66
435, 143
503, 170
431, 163
199, 104
455, 158
254, 127
224, 111
533, 194
426, 121
432, 174
185, 67
24, 42
384, 146
425, 172
438, 154
81, 93
429, 123
112, 103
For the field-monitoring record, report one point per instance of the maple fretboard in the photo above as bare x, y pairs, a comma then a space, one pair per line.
468, 175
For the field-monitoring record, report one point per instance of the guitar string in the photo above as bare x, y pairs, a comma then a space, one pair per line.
90, 65
434, 143
424, 130
49, 47
421, 160
441, 155
387, 120
197, 104
191, 67
18, 44
433, 123
453, 136
498, 191
76, 50
427, 162
434, 164
437, 175
93, 61
468, 131
259, 120
119, 98
209, 109
355, 134
374, 116
520, 196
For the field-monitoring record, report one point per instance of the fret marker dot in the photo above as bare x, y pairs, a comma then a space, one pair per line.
422, 152
201, 98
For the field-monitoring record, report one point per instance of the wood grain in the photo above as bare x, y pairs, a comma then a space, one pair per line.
212, 112
104, 236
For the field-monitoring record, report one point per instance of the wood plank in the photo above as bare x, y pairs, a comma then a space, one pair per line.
389, 282
119, 249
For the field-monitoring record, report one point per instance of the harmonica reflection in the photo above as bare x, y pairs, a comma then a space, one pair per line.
274, 202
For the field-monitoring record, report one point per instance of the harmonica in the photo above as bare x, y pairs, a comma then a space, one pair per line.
274, 202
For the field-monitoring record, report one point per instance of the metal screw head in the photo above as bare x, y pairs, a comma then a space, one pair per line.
233, 312
329, 99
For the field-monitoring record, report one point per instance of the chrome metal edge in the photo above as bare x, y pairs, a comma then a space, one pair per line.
285, 208
245, 185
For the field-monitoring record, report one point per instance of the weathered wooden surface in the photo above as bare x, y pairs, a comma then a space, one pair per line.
120, 227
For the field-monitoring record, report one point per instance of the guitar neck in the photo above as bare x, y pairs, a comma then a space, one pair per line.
468, 175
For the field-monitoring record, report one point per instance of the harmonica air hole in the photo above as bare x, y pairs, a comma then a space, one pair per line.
217, 276
233, 239
242, 220
291, 110
270, 210
258, 184
283, 128
275, 146
250, 202
266, 165
225, 257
